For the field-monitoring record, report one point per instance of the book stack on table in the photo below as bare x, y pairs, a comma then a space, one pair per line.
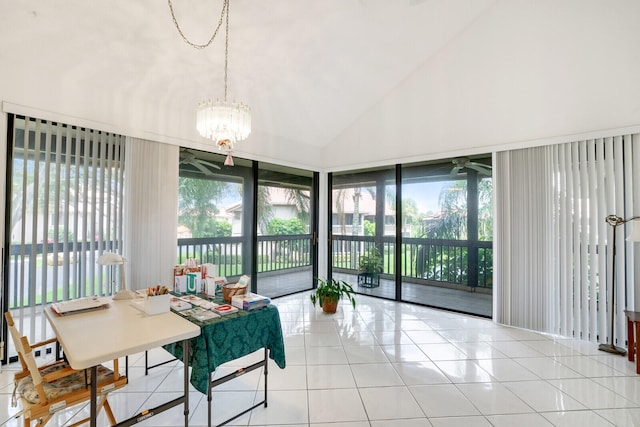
249, 301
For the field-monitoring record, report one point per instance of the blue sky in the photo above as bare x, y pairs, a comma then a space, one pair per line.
425, 194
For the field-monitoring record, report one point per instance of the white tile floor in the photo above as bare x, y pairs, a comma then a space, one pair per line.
392, 364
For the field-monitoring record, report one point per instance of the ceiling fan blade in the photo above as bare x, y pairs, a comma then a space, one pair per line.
202, 168
482, 165
186, 156
206, 163
483, 169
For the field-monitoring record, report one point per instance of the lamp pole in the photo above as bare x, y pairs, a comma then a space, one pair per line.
614, 221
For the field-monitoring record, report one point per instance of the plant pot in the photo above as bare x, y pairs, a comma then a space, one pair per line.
329, 306
369, 280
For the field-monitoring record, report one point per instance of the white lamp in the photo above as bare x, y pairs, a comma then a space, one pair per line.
110, 258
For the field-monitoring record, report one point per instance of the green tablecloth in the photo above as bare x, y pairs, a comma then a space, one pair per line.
231, 337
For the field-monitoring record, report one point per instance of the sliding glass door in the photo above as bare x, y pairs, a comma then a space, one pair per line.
215, 206
447, 235
252, 218
286, 230
436, 249
363, 229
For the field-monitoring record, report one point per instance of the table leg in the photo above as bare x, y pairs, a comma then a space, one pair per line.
185, 358
241, 371
630, 339
266, 371
94, 396
209, 398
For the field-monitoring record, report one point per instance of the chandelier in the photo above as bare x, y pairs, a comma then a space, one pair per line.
223, 122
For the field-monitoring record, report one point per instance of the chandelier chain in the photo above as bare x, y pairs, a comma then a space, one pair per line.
226, 50
225, 11
222, 122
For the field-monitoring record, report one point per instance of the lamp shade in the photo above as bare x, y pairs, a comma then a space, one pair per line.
110, 258
635, 231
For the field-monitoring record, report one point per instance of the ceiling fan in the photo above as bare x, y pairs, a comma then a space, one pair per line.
187, 157
464, 162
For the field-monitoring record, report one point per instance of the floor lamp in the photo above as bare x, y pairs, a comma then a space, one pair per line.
111, 259
615, 221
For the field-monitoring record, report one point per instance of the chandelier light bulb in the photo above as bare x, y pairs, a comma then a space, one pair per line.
221, 120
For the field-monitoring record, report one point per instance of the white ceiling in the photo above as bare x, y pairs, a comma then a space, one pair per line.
329, 76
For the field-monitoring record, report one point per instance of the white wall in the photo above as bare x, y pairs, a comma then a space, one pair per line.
523, 71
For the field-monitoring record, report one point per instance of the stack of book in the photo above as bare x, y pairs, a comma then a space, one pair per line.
249, 301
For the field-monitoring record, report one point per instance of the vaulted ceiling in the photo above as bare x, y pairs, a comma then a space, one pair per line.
332, 84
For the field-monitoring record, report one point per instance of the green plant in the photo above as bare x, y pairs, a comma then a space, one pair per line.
371, 262
369, 228
332, 290
279, 227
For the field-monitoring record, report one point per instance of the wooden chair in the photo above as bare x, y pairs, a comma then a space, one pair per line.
45, 390
15, 337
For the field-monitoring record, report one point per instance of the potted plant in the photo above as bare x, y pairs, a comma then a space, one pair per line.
371, 265
329, 292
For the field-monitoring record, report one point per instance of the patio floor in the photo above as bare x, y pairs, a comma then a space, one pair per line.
476, 303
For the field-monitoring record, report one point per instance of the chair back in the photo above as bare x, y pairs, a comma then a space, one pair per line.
17, 342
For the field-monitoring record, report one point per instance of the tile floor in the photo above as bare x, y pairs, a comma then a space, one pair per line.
393, 364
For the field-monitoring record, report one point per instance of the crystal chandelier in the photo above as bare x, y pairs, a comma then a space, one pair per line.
223, 122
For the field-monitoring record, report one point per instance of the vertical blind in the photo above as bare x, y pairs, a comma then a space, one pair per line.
554, 248
150, 212
66, 209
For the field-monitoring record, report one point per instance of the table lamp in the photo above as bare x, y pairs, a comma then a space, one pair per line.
110, 258
614, 221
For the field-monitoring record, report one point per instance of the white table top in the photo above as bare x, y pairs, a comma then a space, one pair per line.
91, 338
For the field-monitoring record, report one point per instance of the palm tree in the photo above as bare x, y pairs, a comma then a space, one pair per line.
198, 203
453, 208
301, 199
339, 197
265, 209
409, 213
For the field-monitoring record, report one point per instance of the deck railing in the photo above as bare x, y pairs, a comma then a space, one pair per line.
60, 272
274, 253
444, 261
432, 260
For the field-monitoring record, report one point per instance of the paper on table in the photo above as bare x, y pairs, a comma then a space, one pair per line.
78, 305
